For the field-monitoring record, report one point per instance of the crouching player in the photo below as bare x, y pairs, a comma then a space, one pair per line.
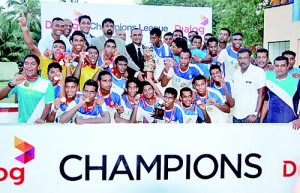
84, 109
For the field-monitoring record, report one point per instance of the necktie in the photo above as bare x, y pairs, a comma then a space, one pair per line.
140, 58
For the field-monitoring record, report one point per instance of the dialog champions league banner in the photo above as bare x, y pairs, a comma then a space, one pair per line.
125, 158
127, 17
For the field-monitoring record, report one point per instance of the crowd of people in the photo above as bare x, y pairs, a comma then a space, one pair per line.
75, 77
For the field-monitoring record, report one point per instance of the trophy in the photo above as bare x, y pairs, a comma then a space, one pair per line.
149, 63
158, 112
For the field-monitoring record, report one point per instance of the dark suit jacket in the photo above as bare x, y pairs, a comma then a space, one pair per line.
134, 55
99, 43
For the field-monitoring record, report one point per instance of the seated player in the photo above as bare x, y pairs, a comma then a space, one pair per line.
216, 107
68, 93
192, 113
127, 101
84, 109
144, 105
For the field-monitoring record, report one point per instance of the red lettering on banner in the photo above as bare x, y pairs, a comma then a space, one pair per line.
285, 166
16, 174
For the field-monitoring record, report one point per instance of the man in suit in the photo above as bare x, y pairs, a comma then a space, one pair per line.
136, 49
85, 27
108, 30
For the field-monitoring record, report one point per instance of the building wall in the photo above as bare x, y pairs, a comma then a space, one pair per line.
278, 26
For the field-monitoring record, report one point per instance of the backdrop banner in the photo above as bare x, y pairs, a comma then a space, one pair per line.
127, 17
113, 158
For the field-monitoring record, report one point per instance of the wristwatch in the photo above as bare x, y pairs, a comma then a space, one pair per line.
10, 86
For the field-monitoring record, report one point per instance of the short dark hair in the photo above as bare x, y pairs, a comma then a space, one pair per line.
226, 29
72, 79
208, 34
199, 77
93, 47
91, 82
121, 58
214, 66
54, 65
194, 32
110, 41
263, 50
187, 51
56, 19
155, 31
34, 57
280, 58
109, 20
180, 43
59, 42
102, 73
237, 34
178, 30
168, 34
145, 83
128, 82
211, 39
185, 89
84, 17
172, 91
244, 50
197, 37
289, 52
77, 33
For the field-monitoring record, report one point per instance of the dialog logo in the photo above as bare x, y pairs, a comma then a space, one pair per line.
204, 20
26, 148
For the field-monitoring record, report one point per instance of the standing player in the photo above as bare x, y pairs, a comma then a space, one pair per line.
35, 94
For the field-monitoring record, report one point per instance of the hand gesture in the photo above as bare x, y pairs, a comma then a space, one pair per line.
120, 109
201, 105
22, 20
169, 64
18, 79
39, 121
140, 76
212, 101
196, 58
57, 102
99, 101
117, 53
47, 53
82, 100
296, 75
136, 99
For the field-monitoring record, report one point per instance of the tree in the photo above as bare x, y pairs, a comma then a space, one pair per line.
239, 15
12, 45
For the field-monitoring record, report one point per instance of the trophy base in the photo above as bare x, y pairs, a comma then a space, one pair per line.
158, 113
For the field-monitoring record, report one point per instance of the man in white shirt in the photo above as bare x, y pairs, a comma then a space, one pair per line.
57, 27
248, 89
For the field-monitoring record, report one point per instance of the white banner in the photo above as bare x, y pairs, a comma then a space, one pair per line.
237, 158
128, 17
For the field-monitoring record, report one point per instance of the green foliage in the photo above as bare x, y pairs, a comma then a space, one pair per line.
239, 15
12, 45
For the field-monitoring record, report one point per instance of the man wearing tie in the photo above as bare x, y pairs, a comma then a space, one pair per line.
108, 30
135, 49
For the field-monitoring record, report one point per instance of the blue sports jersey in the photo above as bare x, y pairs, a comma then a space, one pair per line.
163, 52
173, 116
128, 107
222, 90
191, 114
83, 113
56, 91
284, 98
183, 79
118, 85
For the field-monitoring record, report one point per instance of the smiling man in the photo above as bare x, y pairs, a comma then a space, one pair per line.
283, 93
57, 27
85, 27
35, 94
227, 58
